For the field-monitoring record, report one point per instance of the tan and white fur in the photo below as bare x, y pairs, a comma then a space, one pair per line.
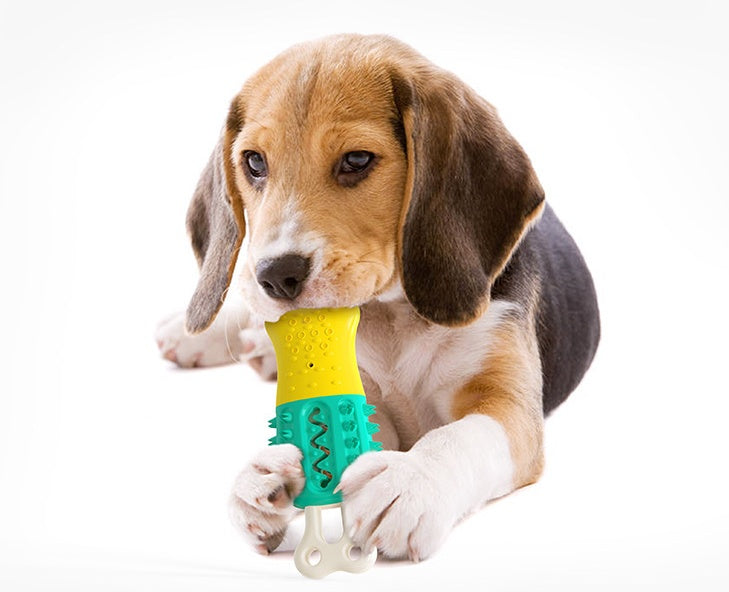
478, 313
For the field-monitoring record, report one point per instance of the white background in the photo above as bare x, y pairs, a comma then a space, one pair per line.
115, 467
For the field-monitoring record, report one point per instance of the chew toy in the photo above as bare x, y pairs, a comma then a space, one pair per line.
321, 408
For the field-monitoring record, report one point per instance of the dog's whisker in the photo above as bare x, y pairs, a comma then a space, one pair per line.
228, 346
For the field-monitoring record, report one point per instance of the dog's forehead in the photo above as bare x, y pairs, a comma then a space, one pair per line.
320, 83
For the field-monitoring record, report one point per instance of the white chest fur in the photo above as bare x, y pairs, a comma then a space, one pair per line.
419, 366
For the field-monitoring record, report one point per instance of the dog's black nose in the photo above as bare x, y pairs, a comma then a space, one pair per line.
283, 277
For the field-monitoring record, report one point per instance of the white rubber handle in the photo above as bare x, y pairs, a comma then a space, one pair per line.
315, 557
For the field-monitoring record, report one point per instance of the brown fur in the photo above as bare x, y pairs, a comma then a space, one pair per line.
303, 115
509, 389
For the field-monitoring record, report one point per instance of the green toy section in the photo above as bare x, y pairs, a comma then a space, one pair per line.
331, 431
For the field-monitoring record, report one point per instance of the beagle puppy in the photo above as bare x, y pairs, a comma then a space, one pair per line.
366, 176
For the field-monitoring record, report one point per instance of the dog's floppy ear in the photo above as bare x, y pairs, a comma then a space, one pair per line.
216, 226
471, 195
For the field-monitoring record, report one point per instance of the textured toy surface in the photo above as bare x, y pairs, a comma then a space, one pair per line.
315, 353
320, 401
321, 409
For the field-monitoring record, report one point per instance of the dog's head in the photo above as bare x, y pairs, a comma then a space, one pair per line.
358, 166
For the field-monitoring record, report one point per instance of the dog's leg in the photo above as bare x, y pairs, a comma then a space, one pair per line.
406, 503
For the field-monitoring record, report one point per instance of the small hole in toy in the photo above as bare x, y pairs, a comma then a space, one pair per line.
314, 557
355, 553
310, 364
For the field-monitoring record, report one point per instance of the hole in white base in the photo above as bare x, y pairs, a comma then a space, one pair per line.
355, 553
314, 557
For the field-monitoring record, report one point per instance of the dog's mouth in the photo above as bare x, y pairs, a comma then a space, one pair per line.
317, 292
269, 299
329, 279
271, 309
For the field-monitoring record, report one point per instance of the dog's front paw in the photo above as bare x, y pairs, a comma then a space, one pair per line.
215, 346
261, 502
390, 502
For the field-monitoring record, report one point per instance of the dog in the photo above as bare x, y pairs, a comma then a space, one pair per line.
366, 176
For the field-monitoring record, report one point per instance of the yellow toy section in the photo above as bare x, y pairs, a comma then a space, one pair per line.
315, 353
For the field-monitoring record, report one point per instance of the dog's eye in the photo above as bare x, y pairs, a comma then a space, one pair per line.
255, 163
355, 162
353, 167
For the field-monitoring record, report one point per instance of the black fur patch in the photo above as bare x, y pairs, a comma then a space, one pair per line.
548, 264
